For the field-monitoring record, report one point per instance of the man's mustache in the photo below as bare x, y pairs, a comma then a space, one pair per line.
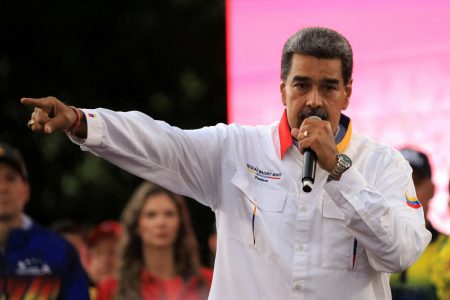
309, 112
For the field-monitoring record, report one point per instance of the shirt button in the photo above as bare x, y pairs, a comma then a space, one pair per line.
274, 257
303, 209
300, 247
297, 287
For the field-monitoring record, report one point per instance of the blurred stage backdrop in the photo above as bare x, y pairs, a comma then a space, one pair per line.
401, 77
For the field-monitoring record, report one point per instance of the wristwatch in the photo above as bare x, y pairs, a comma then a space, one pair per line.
343, 164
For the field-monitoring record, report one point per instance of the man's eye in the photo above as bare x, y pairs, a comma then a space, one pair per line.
12, 177
301, 85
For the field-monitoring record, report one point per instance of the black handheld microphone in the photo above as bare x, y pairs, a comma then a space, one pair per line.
309, 167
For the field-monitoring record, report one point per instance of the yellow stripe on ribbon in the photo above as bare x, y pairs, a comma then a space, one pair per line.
346, 140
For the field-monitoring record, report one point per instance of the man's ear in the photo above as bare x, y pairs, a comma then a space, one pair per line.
283, 92
348, 92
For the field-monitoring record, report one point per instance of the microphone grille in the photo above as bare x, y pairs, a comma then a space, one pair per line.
314, 117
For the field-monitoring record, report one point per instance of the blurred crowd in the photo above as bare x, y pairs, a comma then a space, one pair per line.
152, 251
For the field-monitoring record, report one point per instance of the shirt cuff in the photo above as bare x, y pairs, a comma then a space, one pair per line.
94, 129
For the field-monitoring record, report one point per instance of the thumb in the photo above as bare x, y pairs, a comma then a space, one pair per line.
295, 132
48, 129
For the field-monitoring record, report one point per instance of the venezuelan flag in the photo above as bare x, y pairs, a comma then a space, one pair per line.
412, 201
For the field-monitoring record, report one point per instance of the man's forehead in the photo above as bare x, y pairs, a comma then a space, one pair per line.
310, 66
6, 166
325, 79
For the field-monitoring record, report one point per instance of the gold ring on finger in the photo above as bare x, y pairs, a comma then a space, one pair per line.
30, 123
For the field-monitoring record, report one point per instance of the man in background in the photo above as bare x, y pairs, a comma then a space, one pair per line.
35, 262
103, 247
75, 234
416, 282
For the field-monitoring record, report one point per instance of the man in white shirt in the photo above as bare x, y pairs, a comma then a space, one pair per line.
360, 222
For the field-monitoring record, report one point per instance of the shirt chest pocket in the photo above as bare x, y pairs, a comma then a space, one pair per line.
337, 242
259, 211
340, 249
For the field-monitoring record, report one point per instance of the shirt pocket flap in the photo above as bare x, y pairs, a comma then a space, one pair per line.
264, 198
330, 209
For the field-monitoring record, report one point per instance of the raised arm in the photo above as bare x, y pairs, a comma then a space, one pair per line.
187, 162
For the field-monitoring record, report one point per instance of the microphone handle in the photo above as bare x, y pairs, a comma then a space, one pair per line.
309, 165
309, 170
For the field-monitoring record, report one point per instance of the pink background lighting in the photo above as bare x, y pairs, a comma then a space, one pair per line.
401, 93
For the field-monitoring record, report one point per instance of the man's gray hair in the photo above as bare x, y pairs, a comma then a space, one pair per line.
321, 43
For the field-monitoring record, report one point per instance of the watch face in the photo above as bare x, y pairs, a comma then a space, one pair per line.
345, 161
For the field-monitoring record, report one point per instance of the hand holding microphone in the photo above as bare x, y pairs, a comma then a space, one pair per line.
316, 142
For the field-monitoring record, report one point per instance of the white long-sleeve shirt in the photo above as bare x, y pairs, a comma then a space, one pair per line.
340, 241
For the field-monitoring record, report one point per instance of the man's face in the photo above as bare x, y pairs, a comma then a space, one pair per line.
14, 193
425, 192
103, 258
315, 87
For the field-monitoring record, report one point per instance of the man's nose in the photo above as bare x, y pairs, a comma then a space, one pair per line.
314, 99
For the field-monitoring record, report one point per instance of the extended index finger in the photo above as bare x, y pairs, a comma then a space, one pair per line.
43, 103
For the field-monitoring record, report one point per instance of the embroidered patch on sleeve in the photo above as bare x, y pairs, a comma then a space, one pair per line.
412, 201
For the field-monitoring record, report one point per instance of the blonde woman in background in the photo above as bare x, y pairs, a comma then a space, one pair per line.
159, 257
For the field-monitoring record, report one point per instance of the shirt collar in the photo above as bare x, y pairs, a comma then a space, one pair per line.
343, 134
